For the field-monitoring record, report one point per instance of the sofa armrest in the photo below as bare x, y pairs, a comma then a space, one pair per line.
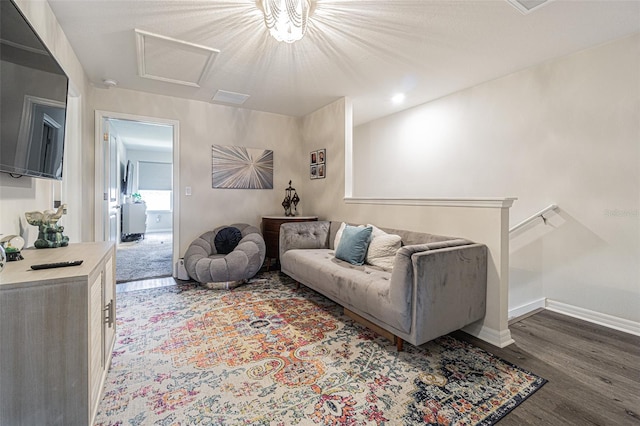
304, 235
450, 288
403, 274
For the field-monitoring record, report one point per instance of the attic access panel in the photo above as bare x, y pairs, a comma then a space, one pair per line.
527, 6
173, 61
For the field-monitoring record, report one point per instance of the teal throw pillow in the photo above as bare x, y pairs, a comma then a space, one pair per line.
354, 244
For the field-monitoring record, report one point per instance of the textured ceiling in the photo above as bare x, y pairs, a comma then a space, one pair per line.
365, 49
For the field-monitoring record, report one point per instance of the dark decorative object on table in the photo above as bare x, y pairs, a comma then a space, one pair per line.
49, 234
11, 246
13, 254
290, 200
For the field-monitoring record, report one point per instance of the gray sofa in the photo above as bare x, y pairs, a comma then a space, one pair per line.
437, 284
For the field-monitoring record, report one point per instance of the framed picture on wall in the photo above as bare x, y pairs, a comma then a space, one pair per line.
318, 163
238, 167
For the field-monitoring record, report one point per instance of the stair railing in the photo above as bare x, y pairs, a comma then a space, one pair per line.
531, 218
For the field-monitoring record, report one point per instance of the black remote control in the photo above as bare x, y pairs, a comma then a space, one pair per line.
57, 264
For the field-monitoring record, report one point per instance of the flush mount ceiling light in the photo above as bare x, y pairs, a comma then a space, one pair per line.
398, 98
286, 19
109, 83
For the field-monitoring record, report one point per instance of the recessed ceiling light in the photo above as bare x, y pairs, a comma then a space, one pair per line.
398, 98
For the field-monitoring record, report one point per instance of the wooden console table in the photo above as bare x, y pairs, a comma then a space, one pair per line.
271, 233
57, 330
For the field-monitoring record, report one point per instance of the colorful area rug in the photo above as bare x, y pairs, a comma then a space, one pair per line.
268, 354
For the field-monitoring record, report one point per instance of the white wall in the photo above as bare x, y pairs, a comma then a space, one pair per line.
202, 125
324, 128
564, 132
28, 194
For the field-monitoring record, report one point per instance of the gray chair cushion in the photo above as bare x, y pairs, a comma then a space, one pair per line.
227, 239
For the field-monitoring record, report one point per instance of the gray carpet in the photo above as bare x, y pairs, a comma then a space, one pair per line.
142, 259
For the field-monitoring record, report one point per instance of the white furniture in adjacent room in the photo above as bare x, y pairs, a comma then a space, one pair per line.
57, 330
134, 219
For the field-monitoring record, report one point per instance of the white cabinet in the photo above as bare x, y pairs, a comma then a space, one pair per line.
134, 218
57, 330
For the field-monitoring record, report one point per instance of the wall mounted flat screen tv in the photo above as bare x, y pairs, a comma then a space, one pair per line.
33, 100
127, 183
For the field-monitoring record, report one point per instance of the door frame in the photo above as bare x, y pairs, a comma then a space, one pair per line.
99, 220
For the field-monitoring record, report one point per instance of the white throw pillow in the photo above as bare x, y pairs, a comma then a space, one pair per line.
376, 231
383, 248
384, 263
336, 241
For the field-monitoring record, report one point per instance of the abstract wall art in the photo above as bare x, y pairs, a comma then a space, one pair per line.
237, 167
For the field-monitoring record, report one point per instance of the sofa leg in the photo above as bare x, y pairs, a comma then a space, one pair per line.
399, 344
297, 285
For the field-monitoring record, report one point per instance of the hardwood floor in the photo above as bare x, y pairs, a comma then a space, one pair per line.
593, 372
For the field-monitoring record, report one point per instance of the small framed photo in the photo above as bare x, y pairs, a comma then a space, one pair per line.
318, 163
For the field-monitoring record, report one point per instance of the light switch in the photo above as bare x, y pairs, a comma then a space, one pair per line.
187, 190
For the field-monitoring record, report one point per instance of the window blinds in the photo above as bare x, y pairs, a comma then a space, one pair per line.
154, 176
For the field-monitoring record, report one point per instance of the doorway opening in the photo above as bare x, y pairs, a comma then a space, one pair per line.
139, 211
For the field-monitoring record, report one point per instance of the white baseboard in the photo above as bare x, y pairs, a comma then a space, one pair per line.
621, 324
527, 308
495, 337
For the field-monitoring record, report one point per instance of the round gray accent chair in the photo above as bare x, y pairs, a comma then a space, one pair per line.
224, 271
